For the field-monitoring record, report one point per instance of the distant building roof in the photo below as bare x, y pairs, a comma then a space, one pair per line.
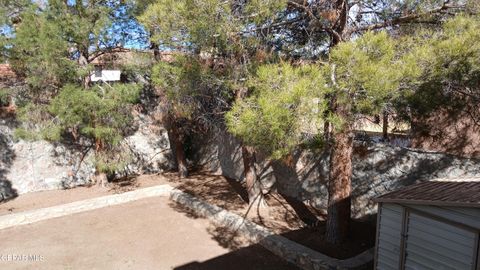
463, 192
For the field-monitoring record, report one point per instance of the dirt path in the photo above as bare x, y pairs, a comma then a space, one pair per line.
49, 198
146, 234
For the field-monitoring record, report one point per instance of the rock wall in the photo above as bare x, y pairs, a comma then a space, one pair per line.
377, 169
41, 165
456, 132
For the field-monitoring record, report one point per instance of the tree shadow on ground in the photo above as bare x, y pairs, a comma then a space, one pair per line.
282, 212
361, 237
183, 209
238, 188
309, 215
245, 255
253, 257
7, 155
228, 238
215, 189
274, 176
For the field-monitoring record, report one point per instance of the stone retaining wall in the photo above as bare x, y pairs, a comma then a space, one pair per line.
41, 165
377, 169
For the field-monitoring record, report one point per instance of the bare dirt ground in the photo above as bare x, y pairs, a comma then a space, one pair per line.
49, 198
146, 234
283, 215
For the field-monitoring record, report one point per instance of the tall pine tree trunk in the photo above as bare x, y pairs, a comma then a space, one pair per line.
101, 178
177, 146
83, 62
254, 189
385, 126
174, 134
339, 188
340, 174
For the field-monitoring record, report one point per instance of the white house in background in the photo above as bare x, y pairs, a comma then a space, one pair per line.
431, 225
109, 66
105, 75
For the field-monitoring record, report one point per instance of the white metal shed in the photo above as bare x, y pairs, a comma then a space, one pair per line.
431, 225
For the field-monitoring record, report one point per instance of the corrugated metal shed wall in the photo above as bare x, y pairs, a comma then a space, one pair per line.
467, 216
389, 237
432, 244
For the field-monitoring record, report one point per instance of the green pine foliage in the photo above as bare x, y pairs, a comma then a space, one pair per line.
41, 53
197, 95
449, 60
52, 46
365, 76
50, 37
206, 24
454, 56
369, 72
181, 81
100, 113
9, 11
285, 100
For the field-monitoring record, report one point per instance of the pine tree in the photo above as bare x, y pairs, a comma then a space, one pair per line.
309, 30
210, 28
53, 45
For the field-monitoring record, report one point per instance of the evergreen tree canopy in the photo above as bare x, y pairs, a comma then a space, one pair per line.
369, 72
451, 57
363, 75
101, 113
450, 65
41, 53
207, 24
297, 28
361, 69
195, 92
52, 45
284, 103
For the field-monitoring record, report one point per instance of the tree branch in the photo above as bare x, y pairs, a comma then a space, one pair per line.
403, 19
107, 50
333, 33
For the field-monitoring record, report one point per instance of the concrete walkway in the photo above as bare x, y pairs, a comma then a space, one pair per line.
28, 217
144, 234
